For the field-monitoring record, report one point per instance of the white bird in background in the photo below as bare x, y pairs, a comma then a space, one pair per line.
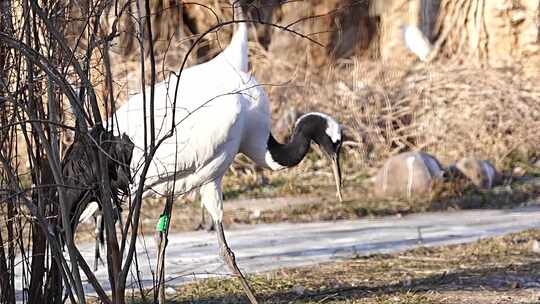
221, 110
417, 42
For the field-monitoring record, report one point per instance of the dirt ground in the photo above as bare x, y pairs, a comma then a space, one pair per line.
498, 270
314, 199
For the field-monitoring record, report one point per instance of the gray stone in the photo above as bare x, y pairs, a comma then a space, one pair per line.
408, 175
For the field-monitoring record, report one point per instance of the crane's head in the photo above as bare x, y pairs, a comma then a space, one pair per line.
327, 133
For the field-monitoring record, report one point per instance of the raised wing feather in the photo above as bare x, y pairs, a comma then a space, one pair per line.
208, 128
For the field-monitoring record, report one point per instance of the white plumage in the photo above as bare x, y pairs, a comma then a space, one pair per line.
211, 121
221, 111
89, 212
417, 42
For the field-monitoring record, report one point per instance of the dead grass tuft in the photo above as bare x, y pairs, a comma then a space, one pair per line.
495, 270
450, 111
489, 113
446, 109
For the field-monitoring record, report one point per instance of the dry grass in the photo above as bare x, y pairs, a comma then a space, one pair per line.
314, 200
448, 110
385, 110
497, 270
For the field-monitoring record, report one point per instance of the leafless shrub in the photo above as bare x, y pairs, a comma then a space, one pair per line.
57, 75
448, 110
41, 72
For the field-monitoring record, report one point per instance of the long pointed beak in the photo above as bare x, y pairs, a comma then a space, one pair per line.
337, 175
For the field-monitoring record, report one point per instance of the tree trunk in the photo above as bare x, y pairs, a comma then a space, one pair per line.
495, 32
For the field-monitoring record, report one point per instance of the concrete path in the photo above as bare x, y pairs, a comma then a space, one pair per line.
266, 247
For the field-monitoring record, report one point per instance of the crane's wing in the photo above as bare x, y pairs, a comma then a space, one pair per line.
208, 129
89, 211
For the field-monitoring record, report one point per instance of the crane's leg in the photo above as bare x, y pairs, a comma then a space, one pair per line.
203, 226
212, 199
162, 236
203, 219
228, 257
210, 227
99, 236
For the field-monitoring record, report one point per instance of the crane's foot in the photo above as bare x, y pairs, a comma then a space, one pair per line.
205, 227
96, 262
228, 256
211, 227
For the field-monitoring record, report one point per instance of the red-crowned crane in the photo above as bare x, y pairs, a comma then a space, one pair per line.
417, 42
221, 111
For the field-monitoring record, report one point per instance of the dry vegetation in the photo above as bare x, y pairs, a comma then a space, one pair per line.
455, 106
451, 108
446, 109
499, 270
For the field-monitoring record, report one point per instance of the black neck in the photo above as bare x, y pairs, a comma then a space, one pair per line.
291, 153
